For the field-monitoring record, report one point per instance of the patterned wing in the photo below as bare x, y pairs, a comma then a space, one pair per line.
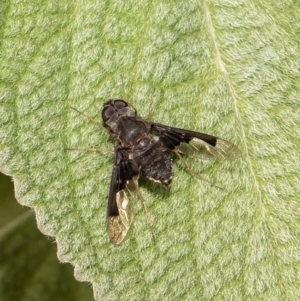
119, 215
195, 144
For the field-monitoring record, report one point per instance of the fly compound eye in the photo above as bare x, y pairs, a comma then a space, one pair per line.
120, 104
113, 106
107, 113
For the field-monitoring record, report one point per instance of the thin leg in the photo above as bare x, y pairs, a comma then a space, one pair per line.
89, 149
125, 95
145, 208
194, 172
91, 119
149, 106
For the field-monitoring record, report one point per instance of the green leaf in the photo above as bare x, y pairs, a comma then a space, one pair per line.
29, 269
226, 68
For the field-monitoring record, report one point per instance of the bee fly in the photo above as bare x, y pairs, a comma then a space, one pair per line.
144, 149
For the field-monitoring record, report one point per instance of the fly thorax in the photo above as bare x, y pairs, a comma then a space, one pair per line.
131, 131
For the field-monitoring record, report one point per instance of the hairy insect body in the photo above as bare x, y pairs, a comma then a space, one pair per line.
132, 134
144, 148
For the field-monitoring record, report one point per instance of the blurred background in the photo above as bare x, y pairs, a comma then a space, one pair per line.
29, 268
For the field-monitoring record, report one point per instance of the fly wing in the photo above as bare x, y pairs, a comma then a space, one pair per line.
195, 144
119, 215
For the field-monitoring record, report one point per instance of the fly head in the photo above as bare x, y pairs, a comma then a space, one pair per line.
113, 109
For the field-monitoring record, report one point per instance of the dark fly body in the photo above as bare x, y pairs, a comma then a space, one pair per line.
144, 149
